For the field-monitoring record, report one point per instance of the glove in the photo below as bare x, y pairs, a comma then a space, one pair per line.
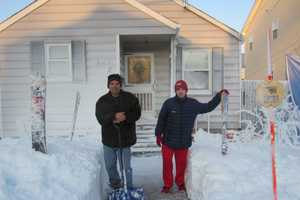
224, 91
158, 140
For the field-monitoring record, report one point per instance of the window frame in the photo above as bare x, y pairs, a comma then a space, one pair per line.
209, 70
275, 34
69, 77
250, 43
275, 29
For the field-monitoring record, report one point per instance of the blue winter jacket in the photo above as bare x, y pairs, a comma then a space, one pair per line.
176, 119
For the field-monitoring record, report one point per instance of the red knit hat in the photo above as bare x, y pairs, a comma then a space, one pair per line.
181, 84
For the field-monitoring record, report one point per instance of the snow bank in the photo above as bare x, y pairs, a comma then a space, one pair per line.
71, 170
245, 173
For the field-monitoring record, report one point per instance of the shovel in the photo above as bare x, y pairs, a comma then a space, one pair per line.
125, 193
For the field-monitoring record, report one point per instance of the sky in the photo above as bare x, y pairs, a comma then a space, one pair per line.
230, 12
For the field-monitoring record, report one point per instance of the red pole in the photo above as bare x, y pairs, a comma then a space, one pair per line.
270, 78
273, 161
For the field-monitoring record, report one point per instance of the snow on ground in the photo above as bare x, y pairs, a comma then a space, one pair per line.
74, 171
71, 170
148, 174
245, 173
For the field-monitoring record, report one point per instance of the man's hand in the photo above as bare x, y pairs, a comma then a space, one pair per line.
224, 92
119, 117
158, 140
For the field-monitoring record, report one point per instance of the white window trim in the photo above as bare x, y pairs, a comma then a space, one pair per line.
275, 24
70, 74
199, 91
152, 68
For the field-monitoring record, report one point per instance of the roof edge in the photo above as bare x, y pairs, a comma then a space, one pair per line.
154, 14
22, 13
251, 16
36, 4
209, 18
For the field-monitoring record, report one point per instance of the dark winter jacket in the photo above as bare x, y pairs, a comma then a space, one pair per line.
106, 108
176, 119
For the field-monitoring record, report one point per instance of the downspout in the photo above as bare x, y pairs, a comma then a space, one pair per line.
173, 64
118, 57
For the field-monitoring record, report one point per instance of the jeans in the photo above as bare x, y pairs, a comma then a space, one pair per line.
111, 157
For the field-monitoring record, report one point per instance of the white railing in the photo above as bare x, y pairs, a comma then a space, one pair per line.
145, 100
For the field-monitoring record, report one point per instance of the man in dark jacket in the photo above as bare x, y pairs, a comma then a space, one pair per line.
117, 111
174, 131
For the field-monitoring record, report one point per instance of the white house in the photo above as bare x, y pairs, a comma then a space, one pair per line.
77, 43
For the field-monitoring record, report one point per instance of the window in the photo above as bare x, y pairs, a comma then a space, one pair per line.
275, 27
250, 46
275, 34
197, 70
250, 43
59, 62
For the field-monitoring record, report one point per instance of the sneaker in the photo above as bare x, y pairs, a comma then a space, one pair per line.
181, 188
165, 190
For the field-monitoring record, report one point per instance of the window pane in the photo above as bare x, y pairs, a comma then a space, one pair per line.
58, 52
197, 80
58, 68
196, 59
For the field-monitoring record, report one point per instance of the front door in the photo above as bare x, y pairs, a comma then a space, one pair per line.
139, 71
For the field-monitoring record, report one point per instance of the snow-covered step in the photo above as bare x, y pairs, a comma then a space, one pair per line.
144, 145
150, 125
145, 135
145, 150
146, 132
146, 140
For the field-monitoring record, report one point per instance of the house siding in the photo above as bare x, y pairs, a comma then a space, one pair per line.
196, 32
98, 23
287, 14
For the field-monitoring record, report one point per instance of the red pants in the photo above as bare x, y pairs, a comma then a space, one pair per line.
181, 162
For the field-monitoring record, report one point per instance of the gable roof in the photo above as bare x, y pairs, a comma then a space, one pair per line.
38, 3
209, 18
153, 14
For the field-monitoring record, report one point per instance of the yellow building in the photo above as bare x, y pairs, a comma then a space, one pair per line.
282, 18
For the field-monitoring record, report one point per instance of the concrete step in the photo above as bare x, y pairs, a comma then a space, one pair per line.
145, 126
138, 145
150, 131
145, 150
146, 140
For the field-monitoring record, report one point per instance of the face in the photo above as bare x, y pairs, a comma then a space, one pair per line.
114, 87
181, 93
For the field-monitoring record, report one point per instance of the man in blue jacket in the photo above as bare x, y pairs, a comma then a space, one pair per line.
174, 131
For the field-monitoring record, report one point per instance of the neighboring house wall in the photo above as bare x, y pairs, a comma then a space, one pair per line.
196, 32
1, 121
287, 14
97, 22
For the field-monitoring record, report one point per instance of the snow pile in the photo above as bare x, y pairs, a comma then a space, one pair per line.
245, 173
71, 170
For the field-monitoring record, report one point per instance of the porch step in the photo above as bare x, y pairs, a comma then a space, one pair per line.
148, 150
146, 140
